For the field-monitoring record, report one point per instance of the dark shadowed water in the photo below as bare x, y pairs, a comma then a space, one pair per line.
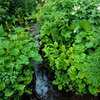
42, 87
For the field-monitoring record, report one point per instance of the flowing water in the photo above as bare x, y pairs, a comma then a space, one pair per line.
44, 89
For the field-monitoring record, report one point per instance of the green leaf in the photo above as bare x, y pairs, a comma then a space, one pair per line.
89, 44
8, 92
19, 67
5, 43
55, 82
1, 29
81, 85
28, 72
78, 39
21, 92
21, 87
86, 25
60, 87
2, 52
20, 78
23, 59
15, 51
37, 57
66, 34
1, 99
93, 90
2, 86
54, 34
14, 37
28, 80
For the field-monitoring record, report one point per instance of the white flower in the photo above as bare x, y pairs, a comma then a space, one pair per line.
98, 8
75, 30
75, 8
78, 7
80, 2
73, 13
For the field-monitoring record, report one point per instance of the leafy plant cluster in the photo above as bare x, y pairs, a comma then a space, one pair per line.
16, 66
70, 32
17, 48
13, 11
19, 7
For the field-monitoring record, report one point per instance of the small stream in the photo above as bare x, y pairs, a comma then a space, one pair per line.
43, 87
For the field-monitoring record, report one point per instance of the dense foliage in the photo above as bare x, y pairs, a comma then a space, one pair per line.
16, 66
70, 32
17, 48
18, 7
16, 11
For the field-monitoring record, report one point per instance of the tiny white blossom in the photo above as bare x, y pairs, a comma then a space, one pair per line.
73, 13
75, 30
78, 7
75, 8
98, 8
80, 2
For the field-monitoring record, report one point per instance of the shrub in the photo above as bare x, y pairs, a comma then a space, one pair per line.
69, 31
19, 7
17, 48
16, 66
16, 11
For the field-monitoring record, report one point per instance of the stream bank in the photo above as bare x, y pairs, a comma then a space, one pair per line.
41, 85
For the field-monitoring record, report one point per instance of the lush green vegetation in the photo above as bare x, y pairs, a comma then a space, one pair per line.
17, 48
70, 32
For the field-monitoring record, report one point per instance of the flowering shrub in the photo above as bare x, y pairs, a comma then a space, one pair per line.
70, 33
